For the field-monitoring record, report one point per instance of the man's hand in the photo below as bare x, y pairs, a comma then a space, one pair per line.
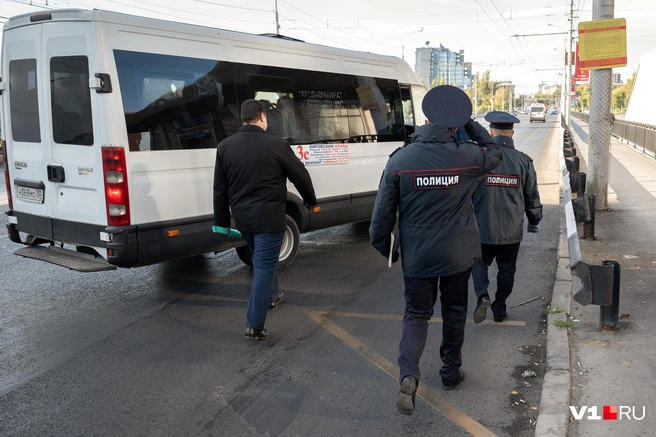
477, 133
221, 231
533, 229
469, 127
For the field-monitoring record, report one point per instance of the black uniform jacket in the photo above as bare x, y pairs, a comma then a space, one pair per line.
250, 175
431, 181
505, 194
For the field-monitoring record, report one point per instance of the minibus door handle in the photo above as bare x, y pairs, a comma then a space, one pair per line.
56, 173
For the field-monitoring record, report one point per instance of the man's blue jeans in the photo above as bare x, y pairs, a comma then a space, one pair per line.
265, 250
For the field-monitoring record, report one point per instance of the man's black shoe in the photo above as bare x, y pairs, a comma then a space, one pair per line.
405, 400
500, 318
254, 334
452, 385
480, 313
273, 305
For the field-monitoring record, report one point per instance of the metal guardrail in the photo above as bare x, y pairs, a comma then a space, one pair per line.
641, 136
600, 284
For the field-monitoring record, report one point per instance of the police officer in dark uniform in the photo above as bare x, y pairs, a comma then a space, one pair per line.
430, 182
501, 199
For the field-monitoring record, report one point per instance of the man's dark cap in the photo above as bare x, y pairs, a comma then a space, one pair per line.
501, 120
447, 106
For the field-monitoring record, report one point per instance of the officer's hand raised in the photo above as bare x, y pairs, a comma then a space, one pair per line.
533, 229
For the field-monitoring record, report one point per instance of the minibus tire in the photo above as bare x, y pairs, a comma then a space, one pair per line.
288, 249
290, 242
244, 254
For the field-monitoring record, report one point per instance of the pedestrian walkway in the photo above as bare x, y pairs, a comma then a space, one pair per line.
618, 368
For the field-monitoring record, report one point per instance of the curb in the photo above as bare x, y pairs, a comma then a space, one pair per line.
553, 419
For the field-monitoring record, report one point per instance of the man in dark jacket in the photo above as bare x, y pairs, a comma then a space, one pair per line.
501, 199
430, 183
250, 177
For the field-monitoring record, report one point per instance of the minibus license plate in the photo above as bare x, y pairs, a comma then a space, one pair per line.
30, 194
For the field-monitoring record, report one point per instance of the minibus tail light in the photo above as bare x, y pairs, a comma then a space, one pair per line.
117, 198
5, 161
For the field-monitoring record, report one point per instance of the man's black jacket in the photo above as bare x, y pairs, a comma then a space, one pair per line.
250, 176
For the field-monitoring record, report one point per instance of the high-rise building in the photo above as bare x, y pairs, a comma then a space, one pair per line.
617, 78
436, 65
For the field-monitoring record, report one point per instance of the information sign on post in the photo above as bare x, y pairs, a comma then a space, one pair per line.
602, 44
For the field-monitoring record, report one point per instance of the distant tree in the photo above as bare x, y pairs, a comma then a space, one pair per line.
583, 93
437, 82
483, 86
619, 99
629, 87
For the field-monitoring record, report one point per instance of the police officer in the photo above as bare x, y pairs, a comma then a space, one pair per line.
501, 199
430, 182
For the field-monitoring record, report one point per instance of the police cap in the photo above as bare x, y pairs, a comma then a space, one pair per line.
447, 106
501, 120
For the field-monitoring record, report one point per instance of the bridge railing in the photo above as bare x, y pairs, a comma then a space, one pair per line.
638, 135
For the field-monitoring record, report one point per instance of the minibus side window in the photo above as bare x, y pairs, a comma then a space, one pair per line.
301, 106
24, 101
316, 107
377, 103
174, 102
71, 100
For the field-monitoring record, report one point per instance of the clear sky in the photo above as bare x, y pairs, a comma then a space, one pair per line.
484, 29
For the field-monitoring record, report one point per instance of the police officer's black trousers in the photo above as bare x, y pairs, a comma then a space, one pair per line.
506, 256
420, 298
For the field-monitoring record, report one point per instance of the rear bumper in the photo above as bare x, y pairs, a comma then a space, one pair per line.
128, 246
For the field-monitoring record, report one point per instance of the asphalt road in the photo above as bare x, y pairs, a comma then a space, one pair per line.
160, 350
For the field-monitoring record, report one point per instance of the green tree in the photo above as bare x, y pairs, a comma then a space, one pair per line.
583, 93
437, 82
484, 87
619, 99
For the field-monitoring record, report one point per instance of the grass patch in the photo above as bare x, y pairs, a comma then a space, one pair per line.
554, 310
565, 324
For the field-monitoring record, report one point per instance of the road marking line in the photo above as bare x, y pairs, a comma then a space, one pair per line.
433, 320
450, 411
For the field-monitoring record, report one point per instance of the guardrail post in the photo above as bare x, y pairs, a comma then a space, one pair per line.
609, 315
589, 226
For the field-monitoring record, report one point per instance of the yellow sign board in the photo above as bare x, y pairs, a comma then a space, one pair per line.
602, 44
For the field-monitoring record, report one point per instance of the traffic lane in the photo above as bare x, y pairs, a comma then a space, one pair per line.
188, 363
188, 369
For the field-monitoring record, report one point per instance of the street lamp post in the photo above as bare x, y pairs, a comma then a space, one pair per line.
567, 88
475, 94
403, 41
503, 93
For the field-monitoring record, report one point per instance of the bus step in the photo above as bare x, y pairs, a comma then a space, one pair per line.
81, 262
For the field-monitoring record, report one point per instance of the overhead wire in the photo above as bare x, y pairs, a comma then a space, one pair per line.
339, 43
336, 28
26, 3
512, 31
235, 7
498, 28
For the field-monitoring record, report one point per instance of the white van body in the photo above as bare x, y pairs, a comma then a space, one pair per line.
111, 123
537, 112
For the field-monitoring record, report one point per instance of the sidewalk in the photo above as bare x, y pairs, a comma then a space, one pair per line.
618, 368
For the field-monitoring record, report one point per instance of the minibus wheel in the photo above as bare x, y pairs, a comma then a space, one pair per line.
288, 249
290, 241
244, 254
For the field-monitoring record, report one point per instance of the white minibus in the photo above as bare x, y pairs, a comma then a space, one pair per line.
538, 112
111, 122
